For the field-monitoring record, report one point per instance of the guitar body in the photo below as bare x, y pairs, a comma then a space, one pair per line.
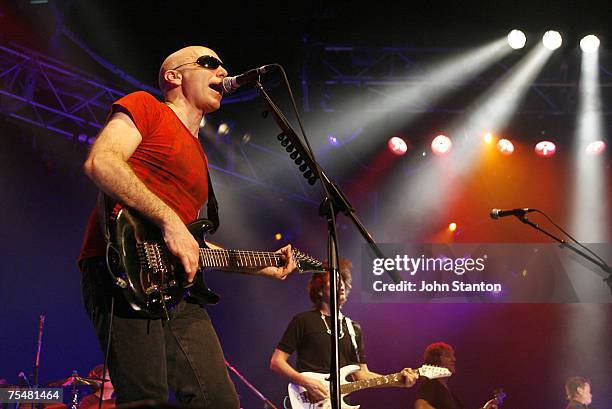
300, 400
152, 279
299, 397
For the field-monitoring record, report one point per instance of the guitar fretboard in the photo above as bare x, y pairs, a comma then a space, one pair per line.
369, 383
220, 258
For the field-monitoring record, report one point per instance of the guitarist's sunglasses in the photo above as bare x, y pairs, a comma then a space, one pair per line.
205, 61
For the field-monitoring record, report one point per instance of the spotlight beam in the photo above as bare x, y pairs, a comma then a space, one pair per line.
494, 109
590, 208
424, 90
491, 111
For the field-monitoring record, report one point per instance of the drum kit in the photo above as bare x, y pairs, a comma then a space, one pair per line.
74, 382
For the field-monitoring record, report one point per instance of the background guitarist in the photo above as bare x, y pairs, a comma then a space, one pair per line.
308, 336
435, 393
148, 157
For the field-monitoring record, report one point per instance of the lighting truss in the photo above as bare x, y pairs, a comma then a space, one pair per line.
334, 72
48, 94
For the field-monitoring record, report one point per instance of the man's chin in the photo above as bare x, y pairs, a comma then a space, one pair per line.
212, 107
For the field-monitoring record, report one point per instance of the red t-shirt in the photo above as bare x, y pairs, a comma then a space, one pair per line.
169, 161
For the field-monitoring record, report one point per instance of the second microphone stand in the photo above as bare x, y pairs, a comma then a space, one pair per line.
595, 260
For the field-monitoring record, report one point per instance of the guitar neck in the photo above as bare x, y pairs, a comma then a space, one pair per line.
239, 259
369, 383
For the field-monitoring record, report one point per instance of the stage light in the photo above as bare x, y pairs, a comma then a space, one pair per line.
397, 146
452, 226
552, 40
441, 145
332, 140
223, 129
545, 148
488, 137
516, 39
589, 44
246, 138
595, 148
278, 236
505, 147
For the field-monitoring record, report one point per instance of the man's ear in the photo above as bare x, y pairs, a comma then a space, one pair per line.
173, 77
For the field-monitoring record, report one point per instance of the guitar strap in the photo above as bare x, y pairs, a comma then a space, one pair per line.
353, 334
104, 212
212, 207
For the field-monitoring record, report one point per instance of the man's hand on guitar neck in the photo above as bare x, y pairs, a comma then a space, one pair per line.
409, 377
281, 272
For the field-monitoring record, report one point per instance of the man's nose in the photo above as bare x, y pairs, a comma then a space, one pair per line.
221, 72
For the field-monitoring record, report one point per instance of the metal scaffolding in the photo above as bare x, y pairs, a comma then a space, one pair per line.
46, 93
337, 72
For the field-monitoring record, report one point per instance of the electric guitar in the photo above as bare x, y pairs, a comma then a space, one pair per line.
300, 400
153, 280
498, 399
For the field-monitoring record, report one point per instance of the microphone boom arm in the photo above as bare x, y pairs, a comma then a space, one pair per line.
293, 144
600, 263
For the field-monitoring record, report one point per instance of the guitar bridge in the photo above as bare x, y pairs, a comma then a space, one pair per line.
156, 278
154, 289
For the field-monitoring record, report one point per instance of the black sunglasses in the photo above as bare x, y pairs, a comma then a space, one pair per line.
206, 61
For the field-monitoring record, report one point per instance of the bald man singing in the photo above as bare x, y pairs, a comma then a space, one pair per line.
148, 158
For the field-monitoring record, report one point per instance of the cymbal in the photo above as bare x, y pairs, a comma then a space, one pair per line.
78, 380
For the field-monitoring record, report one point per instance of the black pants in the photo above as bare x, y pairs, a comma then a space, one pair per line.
149, 356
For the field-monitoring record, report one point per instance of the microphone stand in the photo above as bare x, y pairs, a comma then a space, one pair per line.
600, 263
267, 402
41, 323
334, 202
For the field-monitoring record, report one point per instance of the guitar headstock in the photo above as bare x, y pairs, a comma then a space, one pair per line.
434, 372
306, 263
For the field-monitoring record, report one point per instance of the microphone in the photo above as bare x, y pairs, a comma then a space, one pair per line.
231, 84
497, 213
